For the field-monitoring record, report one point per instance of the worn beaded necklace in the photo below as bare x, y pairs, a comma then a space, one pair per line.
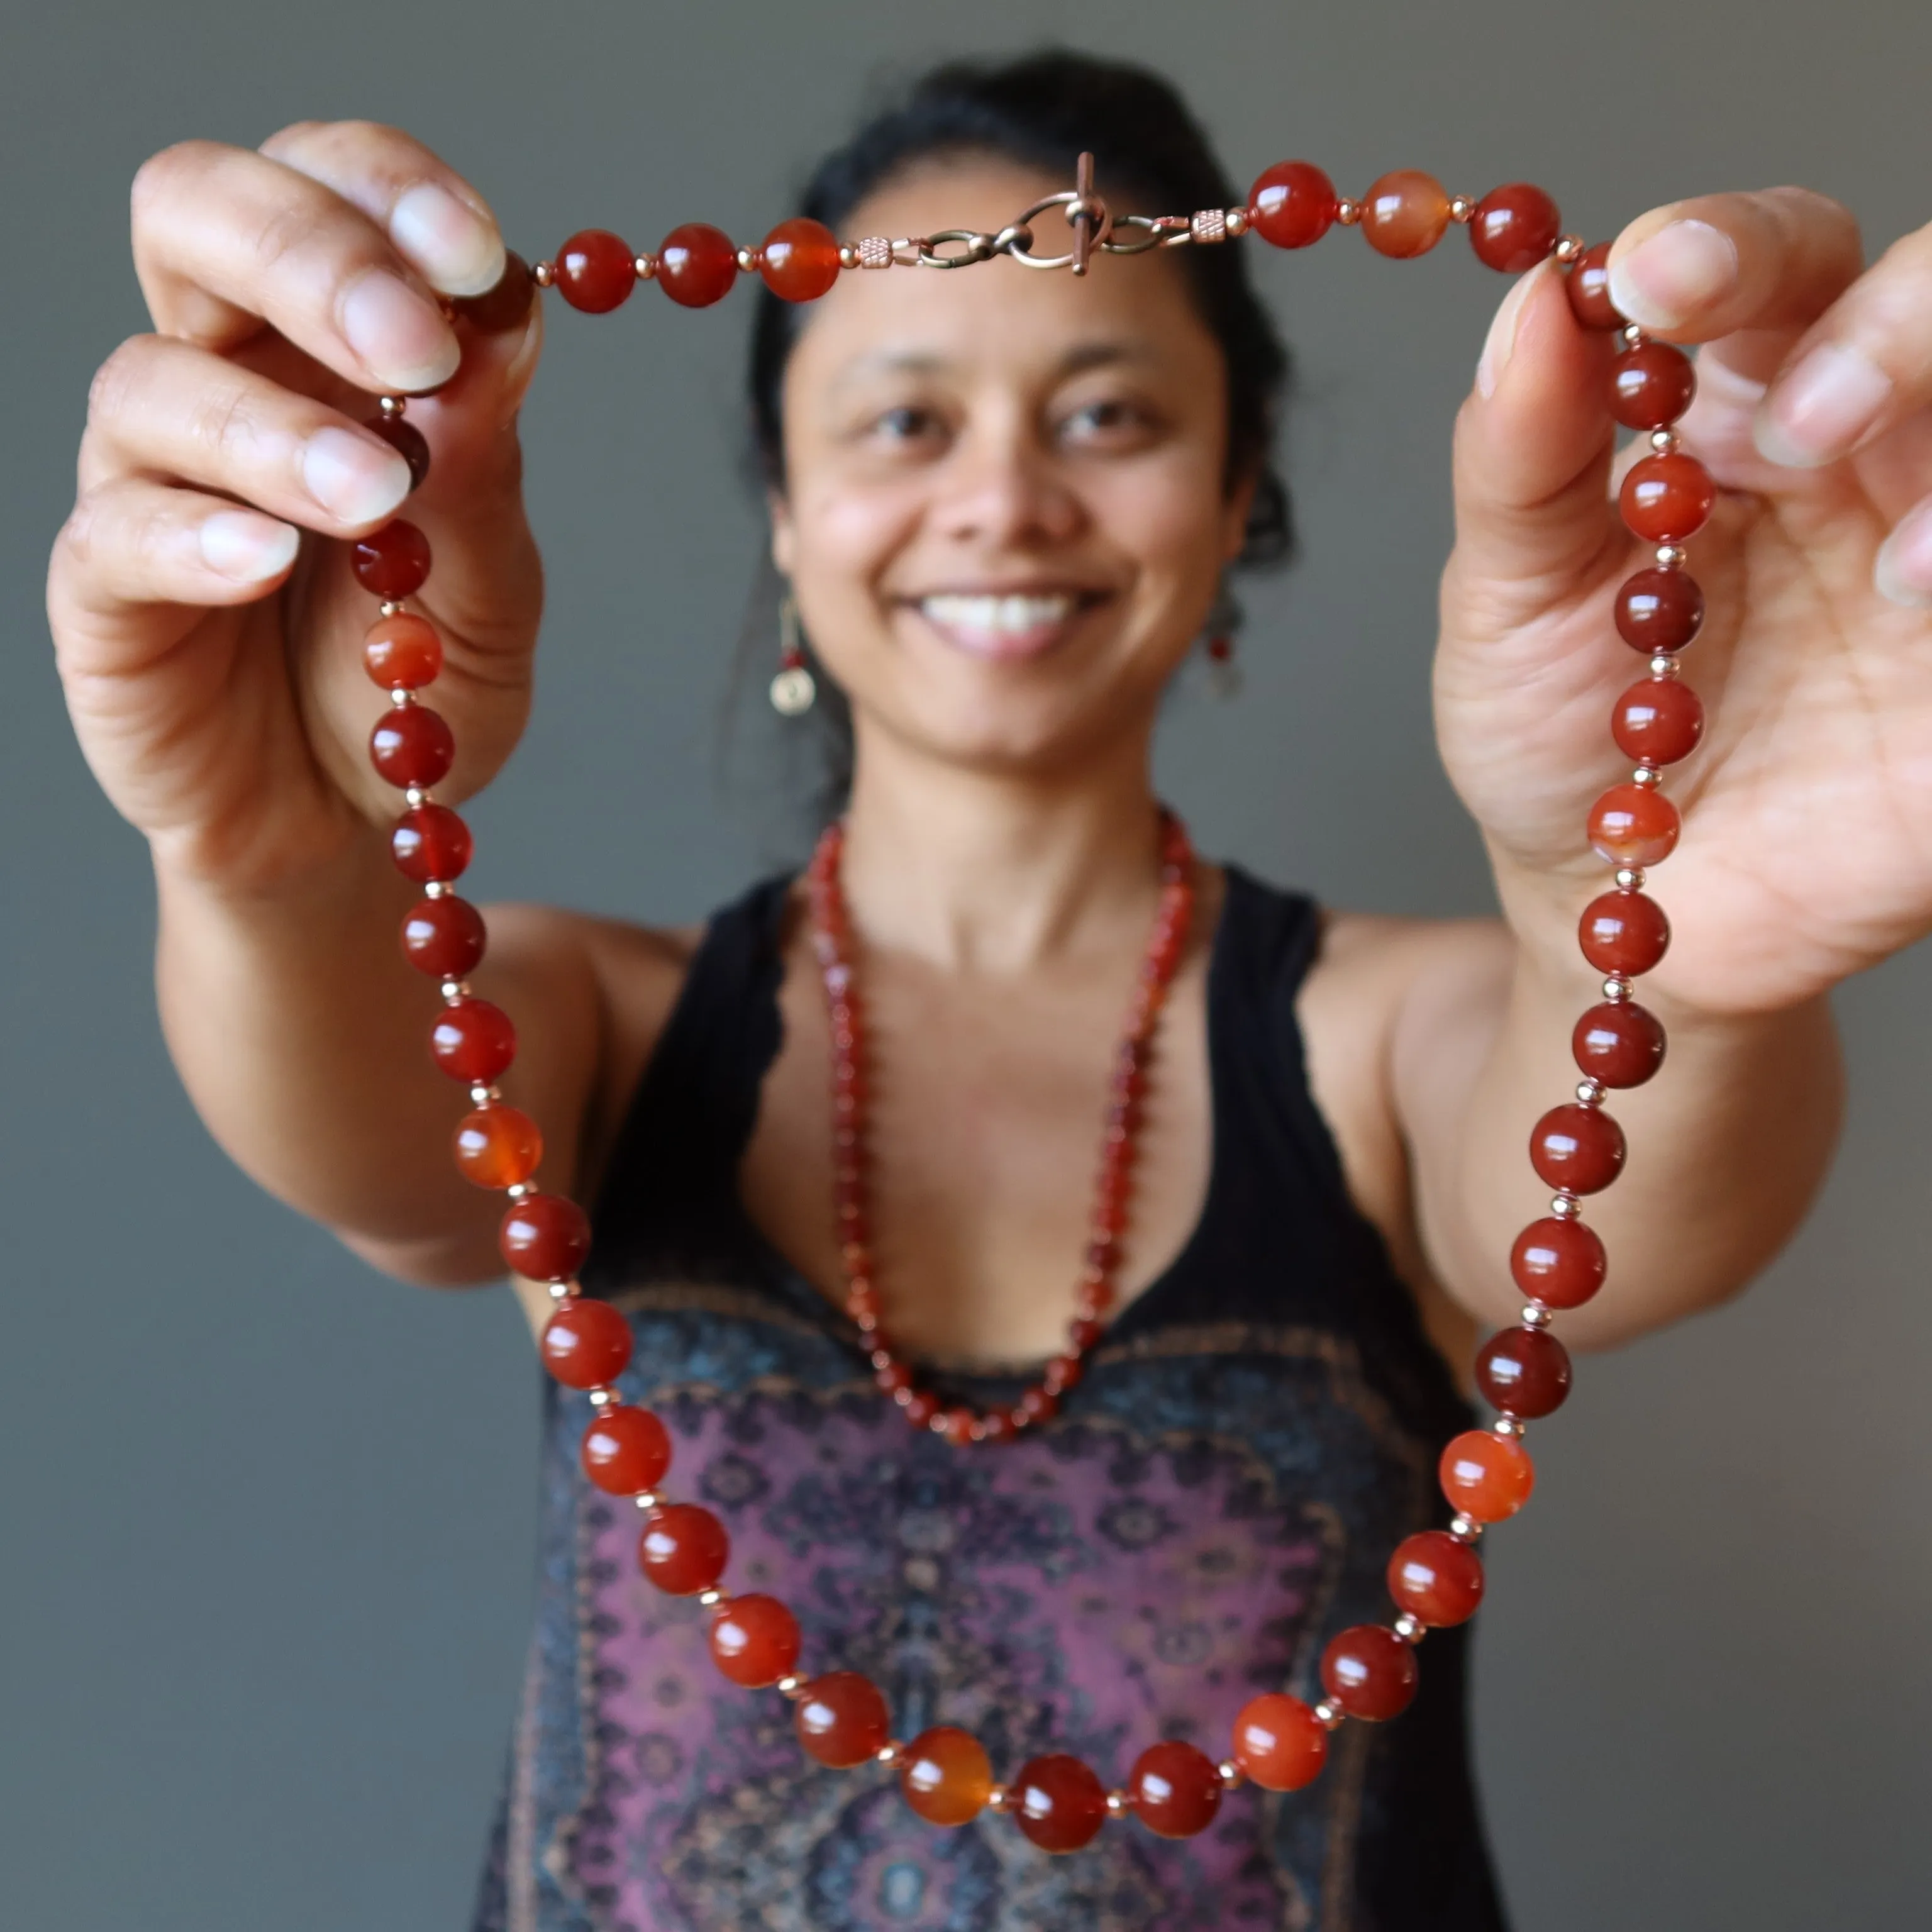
1436, 1577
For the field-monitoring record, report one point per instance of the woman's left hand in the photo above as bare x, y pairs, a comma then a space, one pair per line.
1806, 849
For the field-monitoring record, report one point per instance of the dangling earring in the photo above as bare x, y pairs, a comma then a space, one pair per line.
1225, 618
794, 687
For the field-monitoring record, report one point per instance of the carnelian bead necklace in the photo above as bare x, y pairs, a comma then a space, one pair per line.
1369, 1673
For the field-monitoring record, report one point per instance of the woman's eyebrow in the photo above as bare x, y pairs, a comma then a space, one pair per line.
1080, 357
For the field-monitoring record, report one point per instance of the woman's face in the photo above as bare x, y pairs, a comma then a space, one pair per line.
1006, 510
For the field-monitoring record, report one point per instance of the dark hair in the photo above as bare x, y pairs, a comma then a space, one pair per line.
1150, 157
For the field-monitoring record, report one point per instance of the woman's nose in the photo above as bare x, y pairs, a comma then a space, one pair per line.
1001, 490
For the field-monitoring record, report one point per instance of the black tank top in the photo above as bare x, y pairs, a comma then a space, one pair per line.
1218, 1496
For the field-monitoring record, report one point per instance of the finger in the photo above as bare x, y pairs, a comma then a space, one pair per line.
226, 240
1904, 569
1533, 445
437, 221
165, 409
133, 543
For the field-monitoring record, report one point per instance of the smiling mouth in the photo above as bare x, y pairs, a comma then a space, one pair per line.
1009, 624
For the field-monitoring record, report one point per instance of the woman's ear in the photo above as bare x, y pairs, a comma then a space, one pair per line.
1239, 507
783, 536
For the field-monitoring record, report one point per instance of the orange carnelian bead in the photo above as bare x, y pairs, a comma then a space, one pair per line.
1589, 287
392, 562
1666, 499
1437, 1580
1651, 386
841, 1719
1658, 721
595, 270
625, 1452
403, 652
498, 1146
683, 1549
754, 1641
586, 1344
413, 745
1559, 1263
946, 1776
800, 259
1659, 610
473, 1041
507, 306
1524, 1372
1488, 1477
545, 1237
1280, 1742
1405, 213
1058, 1802
443, 938
1514, 227
430, 844
1618, 1042
408, 442
1623, 932
697, 265
1370, 1672
1292, 204
1634, 825
1175, 1789
1579, 1148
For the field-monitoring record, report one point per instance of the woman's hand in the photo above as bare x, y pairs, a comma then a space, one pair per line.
1806, 849
207, 623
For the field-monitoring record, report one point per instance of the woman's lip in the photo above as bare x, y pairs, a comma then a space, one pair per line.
1000, 643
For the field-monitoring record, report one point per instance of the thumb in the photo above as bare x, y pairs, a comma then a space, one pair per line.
1533, 442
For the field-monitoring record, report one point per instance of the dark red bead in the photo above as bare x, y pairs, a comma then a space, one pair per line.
683, 1549
1666, 499
1623, 932
1489, 1477
1651, 386
1175, 1789
697, 265
1589, 287
1404, 214
392, 562
595, 270
1659, 610
625, 1452
586, 1344
1524, 1372
841, 1719
1292, 204
1658, 721
545, 1237
1038, 1405
920, 1408
430, 843
1057, 1802
1280, 1742
402, 652
411, 745
407, 441
754, 1641
1634, 825
497, 1146
1618, 1042
1369, 1673
1560, 1263
473, 1041
1437, 1580
1514, 227
443, 938
800, 259
1579, 1148
507, 306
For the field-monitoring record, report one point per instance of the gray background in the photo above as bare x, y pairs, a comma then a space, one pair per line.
265, 1520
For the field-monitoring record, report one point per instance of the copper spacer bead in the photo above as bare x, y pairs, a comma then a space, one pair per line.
482, 1095
1461, 208
710, 1600
393, 406
520, 1190
1465, 1528
544, 274
1509, 1426
1664, 668
1535, 1314
1409, 1627
1630, 878
1564, 1205
390, 607
891, 1755
1328, 1714
601, 1398
1238, 220
1647, 775
453, 990
1616, 989
1116, 1803
1672, 556
401, 697
1347, 212
438, 888
1590, 1092
645, 268
1232, 1776
415, 795
748, 259
645, 1499
561, 1291
1631, 335
998, 1798
1570, 248
789, 1687
848, 254
1665, 441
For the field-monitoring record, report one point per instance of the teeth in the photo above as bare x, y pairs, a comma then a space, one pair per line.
1011, 615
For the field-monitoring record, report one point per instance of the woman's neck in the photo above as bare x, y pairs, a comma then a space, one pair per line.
996, 873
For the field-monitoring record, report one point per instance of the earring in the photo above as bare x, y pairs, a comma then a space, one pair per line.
794, 687
1225, 618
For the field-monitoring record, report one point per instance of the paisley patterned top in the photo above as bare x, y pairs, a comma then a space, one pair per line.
1217, 1497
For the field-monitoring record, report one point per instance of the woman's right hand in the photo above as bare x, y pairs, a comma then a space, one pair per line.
206, 622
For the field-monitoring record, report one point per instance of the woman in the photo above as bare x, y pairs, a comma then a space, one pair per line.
1003, 503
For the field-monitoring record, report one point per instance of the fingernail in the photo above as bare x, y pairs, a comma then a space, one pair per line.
1499, 345
1665, 281
1903, 570
460, 253
1820, 410
401, 339
354, 480
247, 548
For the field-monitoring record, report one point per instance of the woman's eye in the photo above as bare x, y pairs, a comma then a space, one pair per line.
908, 423
1112, 421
